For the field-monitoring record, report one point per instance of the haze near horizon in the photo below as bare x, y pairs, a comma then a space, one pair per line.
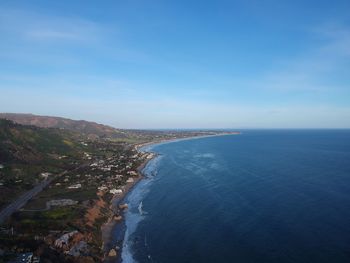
182, 64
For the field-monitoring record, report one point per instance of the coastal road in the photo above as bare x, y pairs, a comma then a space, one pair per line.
24, 198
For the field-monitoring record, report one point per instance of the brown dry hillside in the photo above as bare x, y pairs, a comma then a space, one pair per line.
86, 127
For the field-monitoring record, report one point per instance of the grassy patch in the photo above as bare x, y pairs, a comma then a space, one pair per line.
59, 213
60, 218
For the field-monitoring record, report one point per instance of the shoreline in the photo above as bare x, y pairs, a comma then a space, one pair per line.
113, 237
165, 141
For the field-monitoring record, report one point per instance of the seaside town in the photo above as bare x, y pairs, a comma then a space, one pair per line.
70, 213
174, 131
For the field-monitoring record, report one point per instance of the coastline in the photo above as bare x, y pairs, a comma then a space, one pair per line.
166, 141
113, 232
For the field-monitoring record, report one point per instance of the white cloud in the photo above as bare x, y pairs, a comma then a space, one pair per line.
34, 36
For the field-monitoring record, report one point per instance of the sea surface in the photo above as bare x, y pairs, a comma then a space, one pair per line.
262, 196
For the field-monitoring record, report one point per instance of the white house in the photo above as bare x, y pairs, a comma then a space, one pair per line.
132, 173
74, 186
116, 191
61, 202
45, 175
130, 180
102, 188
64, 240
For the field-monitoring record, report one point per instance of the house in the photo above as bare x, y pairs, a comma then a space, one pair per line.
102, 188
132, 173
116, 191
130, 180
61, 202
24, 257
64, 239
74, 186
45, 175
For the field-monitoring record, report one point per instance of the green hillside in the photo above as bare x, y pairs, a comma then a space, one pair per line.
27, 144
28, 151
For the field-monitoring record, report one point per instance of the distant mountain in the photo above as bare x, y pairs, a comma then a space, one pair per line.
81, 126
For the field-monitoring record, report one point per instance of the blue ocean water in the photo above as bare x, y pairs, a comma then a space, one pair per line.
262, 196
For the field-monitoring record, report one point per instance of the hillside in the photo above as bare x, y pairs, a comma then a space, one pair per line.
95, 130
27, 151
81, 126
27, 144
69, 167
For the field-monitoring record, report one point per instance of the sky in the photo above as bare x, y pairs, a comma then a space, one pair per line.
178, 64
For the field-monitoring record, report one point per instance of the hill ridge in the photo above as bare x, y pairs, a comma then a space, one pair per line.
82, 126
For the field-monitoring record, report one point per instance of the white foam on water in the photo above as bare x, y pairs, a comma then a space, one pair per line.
205, 155
133, 216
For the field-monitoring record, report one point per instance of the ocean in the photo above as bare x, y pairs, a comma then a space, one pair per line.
262, 196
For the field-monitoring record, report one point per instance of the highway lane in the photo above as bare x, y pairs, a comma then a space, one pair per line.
24, 198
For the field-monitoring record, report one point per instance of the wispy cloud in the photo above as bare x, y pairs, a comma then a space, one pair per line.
34, 36
54, 34
339, 39
310, 70
40, 27
77, 67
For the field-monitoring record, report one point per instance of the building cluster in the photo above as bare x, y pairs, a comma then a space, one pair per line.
105, 173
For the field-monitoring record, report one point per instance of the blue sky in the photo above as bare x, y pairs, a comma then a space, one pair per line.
178, 64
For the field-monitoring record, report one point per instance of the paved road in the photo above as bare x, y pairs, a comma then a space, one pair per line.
24, 198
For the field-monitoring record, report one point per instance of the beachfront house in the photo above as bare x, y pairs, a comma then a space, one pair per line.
116, 191
63, 241
132, 173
